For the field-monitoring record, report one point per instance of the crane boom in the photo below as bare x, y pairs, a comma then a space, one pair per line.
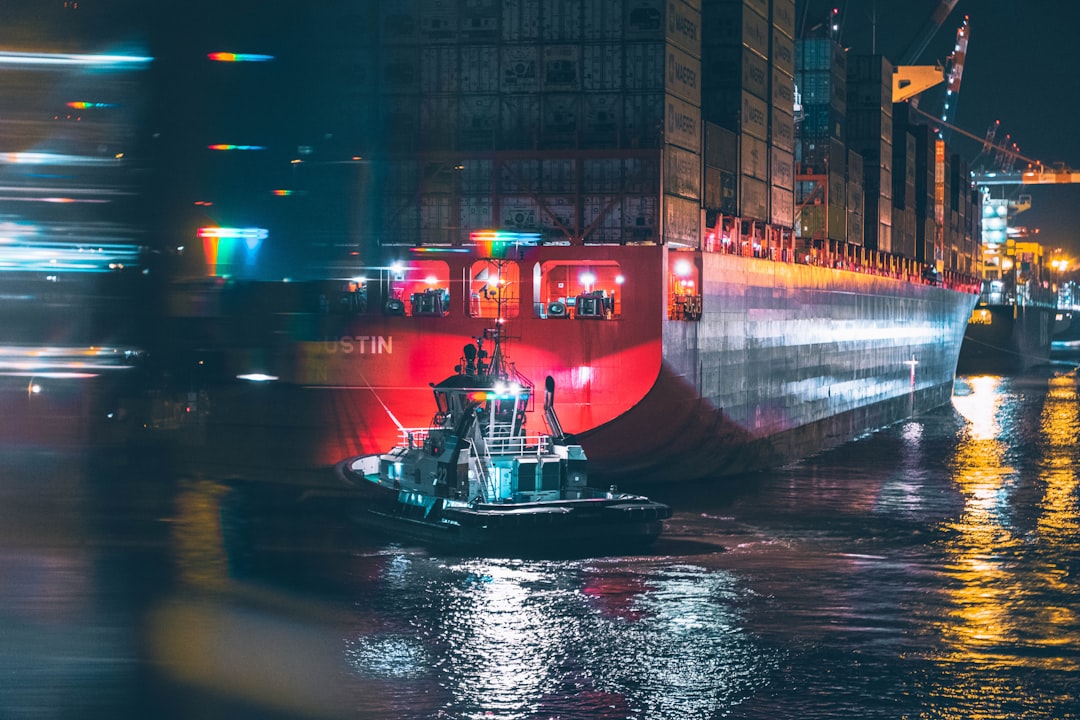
936, 20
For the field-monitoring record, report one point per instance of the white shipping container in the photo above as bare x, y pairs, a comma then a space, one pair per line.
602, 220
644, 66
519, 176
754, 157
519, 127
520, 69
480, 20
602, 175
602, 19
682, 222
602, 67
399, 71
558, 176
560, 20
641, 219
400, 118
684, 27
521, 20
438, 119
557, 216
435, 217
438, 22
475, 177
644, 19
643, 119
754, 116
518, 213
474, 214
782, 163
642, 175
559, 119
683, 75
783, 52
561, 68
682, 123
602, 119
439, 69
478, 117
782, 207
479, 69
781, 129
682, 173
397, 22
400, 220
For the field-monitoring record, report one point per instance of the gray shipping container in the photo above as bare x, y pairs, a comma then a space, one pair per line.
480, 21
641, 217
643, 120
520, 69
560, 20
520, 122
398, 22
478, 118
753, 157
560, 68
601, 120
682, 221
682, 123
602, 20
682, 173
438, 23
753, 198
474, 213
521, 20
683, 75
399, 71
644, 66
601, 217
479, 69
559, 119
721, 148
602, 67
439, 69
684, 27
644, 19
439, 119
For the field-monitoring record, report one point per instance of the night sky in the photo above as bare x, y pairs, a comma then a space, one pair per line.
1021, 69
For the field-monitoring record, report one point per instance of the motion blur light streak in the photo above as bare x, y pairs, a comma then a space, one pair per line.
77, 59
50, 158
238, 57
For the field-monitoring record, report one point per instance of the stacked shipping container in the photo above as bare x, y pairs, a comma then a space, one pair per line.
870, 133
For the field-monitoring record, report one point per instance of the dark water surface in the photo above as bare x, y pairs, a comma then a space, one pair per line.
931, 570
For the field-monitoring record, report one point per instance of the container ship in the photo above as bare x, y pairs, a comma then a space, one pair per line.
716, 239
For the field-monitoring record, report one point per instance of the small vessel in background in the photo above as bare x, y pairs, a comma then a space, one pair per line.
477, 479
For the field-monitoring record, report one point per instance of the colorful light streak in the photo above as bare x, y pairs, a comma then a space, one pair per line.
238, 57
86, 105
224, 147
48, 158
52, 257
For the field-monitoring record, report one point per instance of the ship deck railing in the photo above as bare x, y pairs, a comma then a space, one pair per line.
498, 444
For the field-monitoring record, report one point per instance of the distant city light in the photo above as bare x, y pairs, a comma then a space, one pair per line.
257, 377
238, 57
227, 146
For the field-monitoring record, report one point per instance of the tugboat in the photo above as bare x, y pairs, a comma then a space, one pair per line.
477, 480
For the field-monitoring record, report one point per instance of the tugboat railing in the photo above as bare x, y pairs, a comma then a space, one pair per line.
523, 445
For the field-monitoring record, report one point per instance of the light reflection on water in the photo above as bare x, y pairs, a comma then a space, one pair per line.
927, 571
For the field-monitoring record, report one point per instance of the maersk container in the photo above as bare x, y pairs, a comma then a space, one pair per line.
683, 75
682, 221
683, 27
783, 90
645, 66
782, 168
721, 147
783, 51
783, 16
439, 70
519, 125
753, 157
682, 173
521, 20
753, 198
560, 20
682, 123
735, 24
479, 69
781, 206
602, 67
782, 129
602, 20
730, 66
